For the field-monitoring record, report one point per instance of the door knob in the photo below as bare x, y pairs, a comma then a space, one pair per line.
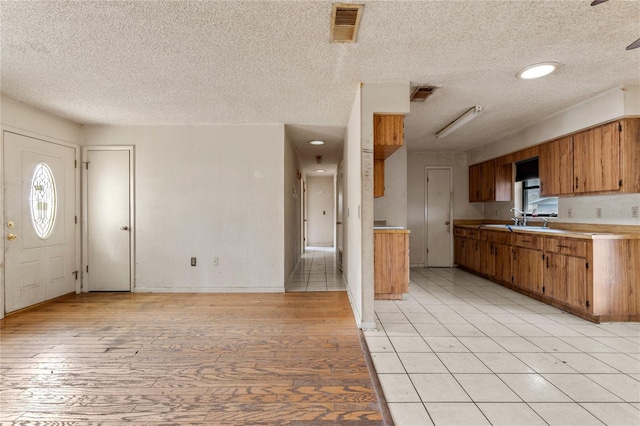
10, 224
12, 237
447, 223
124, 228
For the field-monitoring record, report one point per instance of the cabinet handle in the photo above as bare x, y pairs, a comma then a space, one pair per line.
542, 187
561, 246
547, 262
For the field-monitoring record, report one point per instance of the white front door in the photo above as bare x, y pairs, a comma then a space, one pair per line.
108, 236
438, 217
39, 220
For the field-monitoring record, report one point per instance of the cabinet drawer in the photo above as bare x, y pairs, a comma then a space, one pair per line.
534, 242
566, 246
498, 237
459, 232
473, 234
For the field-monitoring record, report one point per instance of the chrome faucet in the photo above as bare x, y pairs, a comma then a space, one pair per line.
544, 225
524, 216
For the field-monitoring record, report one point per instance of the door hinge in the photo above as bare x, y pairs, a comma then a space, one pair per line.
76, 274
86, 165
542, 256
620, 183
75, 164
587, 303
87, 268
587, 265
427, 251
543, 289
76, 219
619, 127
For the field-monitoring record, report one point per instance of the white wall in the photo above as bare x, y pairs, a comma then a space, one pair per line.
292, 204
26, 120
462, 209
611, 105
392, 207
206, 191
352, 252
320, 211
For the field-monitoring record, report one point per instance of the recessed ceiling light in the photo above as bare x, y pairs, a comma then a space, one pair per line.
538, 70
316, 142
320, 170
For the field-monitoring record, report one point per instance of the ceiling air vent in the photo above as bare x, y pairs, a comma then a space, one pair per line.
345, 19
421, 93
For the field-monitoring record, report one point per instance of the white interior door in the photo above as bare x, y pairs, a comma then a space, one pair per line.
108, 219
40, 220
438, 217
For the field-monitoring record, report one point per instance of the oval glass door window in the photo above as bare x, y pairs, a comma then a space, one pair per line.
43, 201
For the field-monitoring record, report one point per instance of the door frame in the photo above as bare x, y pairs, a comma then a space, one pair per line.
48, 139
85, 237
425, 258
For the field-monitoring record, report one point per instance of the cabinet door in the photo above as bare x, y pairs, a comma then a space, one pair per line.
596, 161
473, 254
487, 258
488, 181
388, 134
556, 167
378, 178
474, 183
502, 254
528, 269
555, 282
566, 280
460, 251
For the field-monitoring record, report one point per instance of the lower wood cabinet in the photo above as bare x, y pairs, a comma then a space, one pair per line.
593, 277
391, 263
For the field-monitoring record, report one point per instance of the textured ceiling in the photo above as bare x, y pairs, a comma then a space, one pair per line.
215, 62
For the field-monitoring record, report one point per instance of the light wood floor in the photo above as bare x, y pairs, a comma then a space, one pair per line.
114, 358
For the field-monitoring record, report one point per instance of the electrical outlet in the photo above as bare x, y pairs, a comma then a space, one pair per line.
215, 261
634, 211
598, 212
193, 261
570, 212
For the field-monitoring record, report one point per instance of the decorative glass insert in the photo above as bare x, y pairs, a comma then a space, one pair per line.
44, 201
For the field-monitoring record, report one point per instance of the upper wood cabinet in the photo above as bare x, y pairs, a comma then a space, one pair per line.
596, 159
556, 167
388, 137
490, 182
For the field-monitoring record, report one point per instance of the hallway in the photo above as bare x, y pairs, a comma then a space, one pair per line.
317, 270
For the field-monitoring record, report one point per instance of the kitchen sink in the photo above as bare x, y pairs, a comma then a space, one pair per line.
525, 228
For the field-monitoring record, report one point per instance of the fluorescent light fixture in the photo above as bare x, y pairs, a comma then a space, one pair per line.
459, 122
316, 142
538, 70
320, 170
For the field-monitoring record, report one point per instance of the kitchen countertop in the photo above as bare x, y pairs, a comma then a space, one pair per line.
551, 232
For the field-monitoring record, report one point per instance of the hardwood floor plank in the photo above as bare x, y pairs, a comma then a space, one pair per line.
114, 358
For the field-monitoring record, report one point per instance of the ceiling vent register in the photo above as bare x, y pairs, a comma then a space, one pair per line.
345, 20
421, 93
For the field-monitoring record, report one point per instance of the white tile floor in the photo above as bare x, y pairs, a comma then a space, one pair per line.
461, 350
317, 270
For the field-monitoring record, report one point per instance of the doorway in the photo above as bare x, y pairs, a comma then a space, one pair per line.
40, 220
108, 238
320, 212
438, 217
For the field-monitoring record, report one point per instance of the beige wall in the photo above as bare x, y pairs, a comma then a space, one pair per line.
292, 205
392, 207
207, 191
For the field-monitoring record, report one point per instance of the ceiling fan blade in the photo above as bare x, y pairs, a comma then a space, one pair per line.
634, 45
597, 2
